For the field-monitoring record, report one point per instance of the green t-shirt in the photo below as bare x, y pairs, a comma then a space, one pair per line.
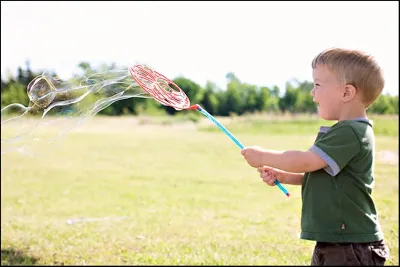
337, 201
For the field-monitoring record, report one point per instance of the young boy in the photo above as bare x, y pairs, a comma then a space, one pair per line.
337, 172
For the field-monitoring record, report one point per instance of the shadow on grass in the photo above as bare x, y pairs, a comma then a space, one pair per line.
11, 256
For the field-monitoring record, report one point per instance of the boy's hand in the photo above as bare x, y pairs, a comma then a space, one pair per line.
269, 175
253, 156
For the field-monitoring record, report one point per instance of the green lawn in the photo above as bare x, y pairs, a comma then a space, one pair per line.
167, 193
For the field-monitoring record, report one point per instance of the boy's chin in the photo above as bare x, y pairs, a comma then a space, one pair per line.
328, 118
325, 116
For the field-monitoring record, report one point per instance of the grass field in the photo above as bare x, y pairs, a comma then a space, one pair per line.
157, 191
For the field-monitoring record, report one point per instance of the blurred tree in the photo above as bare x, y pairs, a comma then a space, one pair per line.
288, 101
210, 99
250, 98
231, 101
304, 101
237, 98
384, 105
14, 92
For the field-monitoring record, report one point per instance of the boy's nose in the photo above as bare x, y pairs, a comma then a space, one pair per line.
312, 92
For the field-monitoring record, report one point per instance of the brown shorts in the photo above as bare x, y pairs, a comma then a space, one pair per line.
350, 254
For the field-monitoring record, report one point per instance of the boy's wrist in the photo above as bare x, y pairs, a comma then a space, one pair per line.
283, 178
264, 156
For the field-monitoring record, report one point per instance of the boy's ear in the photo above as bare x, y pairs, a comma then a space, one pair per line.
349, 92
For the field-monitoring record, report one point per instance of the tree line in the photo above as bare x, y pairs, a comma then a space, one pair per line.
237, 98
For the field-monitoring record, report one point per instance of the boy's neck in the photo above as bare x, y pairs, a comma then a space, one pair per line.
352, 112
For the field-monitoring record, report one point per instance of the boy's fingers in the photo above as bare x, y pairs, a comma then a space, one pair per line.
266, 175
267, 168
269, 181
263, 169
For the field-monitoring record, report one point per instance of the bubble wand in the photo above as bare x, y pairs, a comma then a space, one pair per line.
168, 93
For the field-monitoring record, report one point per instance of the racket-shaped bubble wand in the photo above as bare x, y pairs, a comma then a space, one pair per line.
168, 93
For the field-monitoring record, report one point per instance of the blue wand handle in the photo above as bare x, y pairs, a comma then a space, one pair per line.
208, 115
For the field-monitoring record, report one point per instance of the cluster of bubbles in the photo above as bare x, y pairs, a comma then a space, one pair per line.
82, 96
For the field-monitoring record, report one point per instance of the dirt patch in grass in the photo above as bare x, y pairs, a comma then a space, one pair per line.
11, 256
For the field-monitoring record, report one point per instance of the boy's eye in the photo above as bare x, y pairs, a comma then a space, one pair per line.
317, 84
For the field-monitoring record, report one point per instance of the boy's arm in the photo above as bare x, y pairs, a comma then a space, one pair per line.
292, 178
289, 161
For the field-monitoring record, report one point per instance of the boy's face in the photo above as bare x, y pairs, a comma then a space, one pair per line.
327, 93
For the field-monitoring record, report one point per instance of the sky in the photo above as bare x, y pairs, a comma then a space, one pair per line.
262, 43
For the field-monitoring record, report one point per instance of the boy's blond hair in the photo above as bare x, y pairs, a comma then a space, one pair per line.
356, 68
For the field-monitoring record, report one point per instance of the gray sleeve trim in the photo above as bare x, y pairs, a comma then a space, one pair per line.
332, 168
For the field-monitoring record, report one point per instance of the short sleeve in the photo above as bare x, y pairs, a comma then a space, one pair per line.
337, 147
